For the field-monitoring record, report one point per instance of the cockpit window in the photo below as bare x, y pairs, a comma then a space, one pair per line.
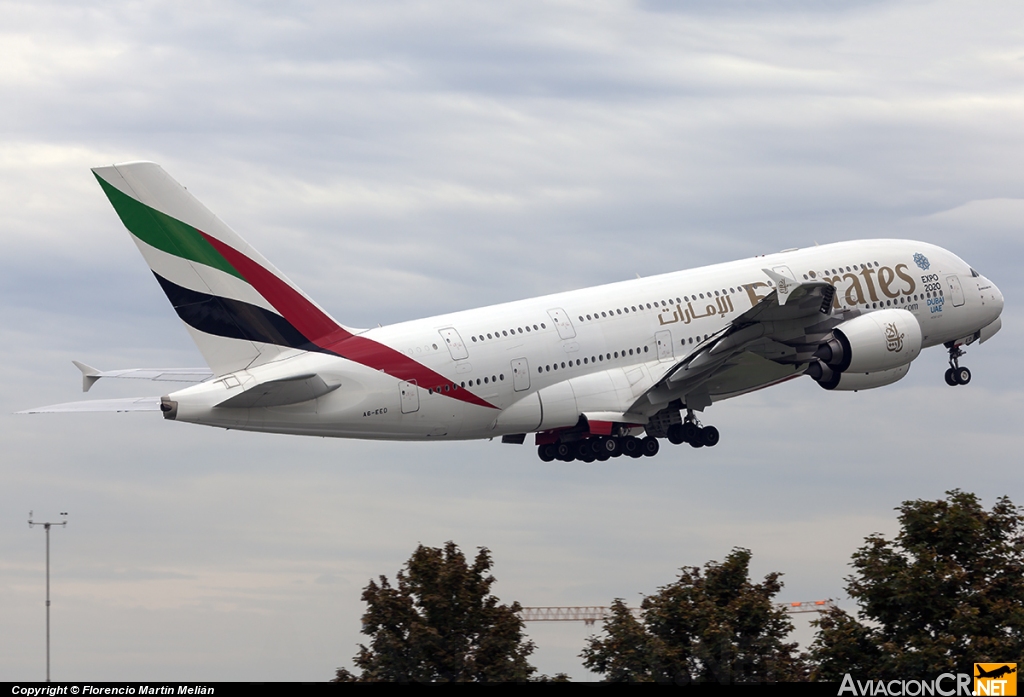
974, 274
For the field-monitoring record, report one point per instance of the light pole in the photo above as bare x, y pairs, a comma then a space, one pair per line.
46, 527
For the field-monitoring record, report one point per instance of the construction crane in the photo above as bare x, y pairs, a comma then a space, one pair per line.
598, 613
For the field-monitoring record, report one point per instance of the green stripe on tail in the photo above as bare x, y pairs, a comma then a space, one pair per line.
164, 232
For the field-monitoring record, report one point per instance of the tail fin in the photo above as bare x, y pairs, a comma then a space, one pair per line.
239, 309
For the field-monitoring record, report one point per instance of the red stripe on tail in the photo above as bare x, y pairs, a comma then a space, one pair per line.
300, 312
320, 329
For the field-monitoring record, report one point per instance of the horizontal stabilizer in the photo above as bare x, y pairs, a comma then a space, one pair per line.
100, 405
90, 375
278, 393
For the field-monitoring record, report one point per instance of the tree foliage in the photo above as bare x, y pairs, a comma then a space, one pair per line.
946, 593
440, 623
710, 626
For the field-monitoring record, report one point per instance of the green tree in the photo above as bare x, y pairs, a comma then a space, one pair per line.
710, 626
440, 623
946, 593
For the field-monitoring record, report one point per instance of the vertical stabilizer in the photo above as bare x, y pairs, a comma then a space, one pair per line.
239, 309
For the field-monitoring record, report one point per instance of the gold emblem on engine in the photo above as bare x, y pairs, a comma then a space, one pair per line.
893, 338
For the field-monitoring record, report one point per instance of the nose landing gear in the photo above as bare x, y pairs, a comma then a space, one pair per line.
956, 374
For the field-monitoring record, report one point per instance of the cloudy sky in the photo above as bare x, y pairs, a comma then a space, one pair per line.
403, 159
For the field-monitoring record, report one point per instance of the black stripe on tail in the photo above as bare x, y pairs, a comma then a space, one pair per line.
233, 319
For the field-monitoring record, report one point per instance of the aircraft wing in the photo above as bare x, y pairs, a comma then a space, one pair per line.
90, 375
102, 405
769, 343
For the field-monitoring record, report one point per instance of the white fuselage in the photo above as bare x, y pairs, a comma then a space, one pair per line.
540, 363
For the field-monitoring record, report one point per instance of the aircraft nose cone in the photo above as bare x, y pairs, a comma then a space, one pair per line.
996, 302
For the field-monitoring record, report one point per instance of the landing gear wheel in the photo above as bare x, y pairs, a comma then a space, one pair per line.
609, 445
951, 377
546, 452
584, 449
962, 375
650, 446
631, 446
564, 452
709, 436
690, 431
698, 438
675, 434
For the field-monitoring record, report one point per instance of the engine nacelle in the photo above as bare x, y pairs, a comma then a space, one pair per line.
873, 343
852, 382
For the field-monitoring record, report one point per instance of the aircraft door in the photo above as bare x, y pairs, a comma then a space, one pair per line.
456, 346
410, 394
665, 348
955, 290
562, 323
520, 374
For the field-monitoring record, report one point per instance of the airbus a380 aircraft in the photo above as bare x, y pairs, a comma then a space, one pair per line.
594, 373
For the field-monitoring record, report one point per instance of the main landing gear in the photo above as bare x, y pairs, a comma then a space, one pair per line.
690, 431
956, 374
602, 448
599, 448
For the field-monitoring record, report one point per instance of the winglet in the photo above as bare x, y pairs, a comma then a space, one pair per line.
783, 284
89, 375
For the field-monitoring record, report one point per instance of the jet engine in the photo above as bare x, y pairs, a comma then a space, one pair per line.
874, 344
